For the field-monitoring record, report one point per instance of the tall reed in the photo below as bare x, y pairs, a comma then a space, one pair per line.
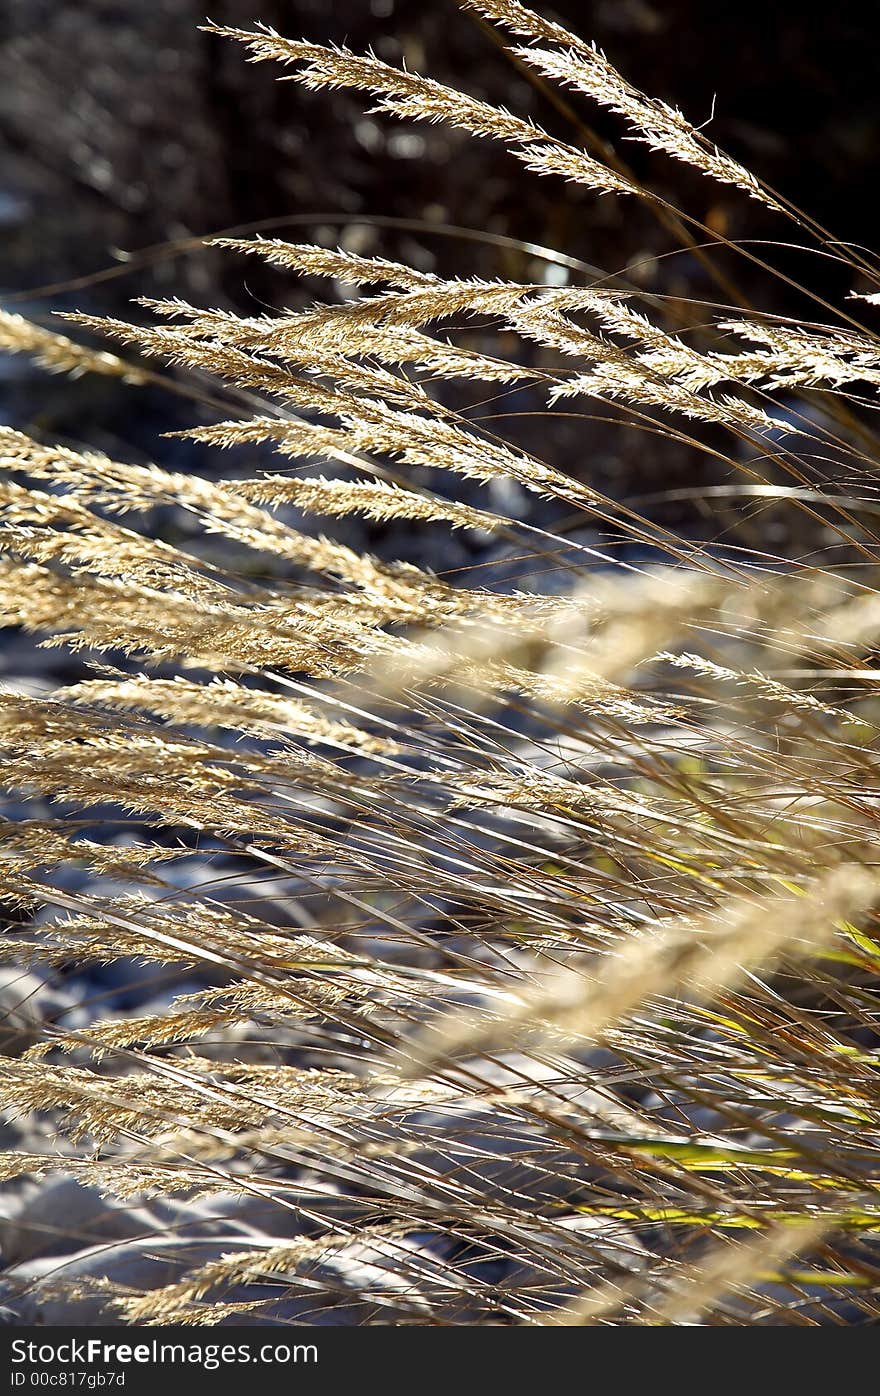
574, 1016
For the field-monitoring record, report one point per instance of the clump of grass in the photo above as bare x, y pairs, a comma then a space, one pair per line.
586, 975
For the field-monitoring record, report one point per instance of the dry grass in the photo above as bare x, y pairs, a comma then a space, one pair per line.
587, 974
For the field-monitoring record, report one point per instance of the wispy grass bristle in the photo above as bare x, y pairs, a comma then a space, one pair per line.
565, 948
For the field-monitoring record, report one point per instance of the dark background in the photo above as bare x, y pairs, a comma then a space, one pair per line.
123, 126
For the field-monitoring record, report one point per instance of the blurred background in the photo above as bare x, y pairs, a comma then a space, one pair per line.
124, 132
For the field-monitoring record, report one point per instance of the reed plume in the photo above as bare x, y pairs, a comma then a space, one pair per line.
567, 975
